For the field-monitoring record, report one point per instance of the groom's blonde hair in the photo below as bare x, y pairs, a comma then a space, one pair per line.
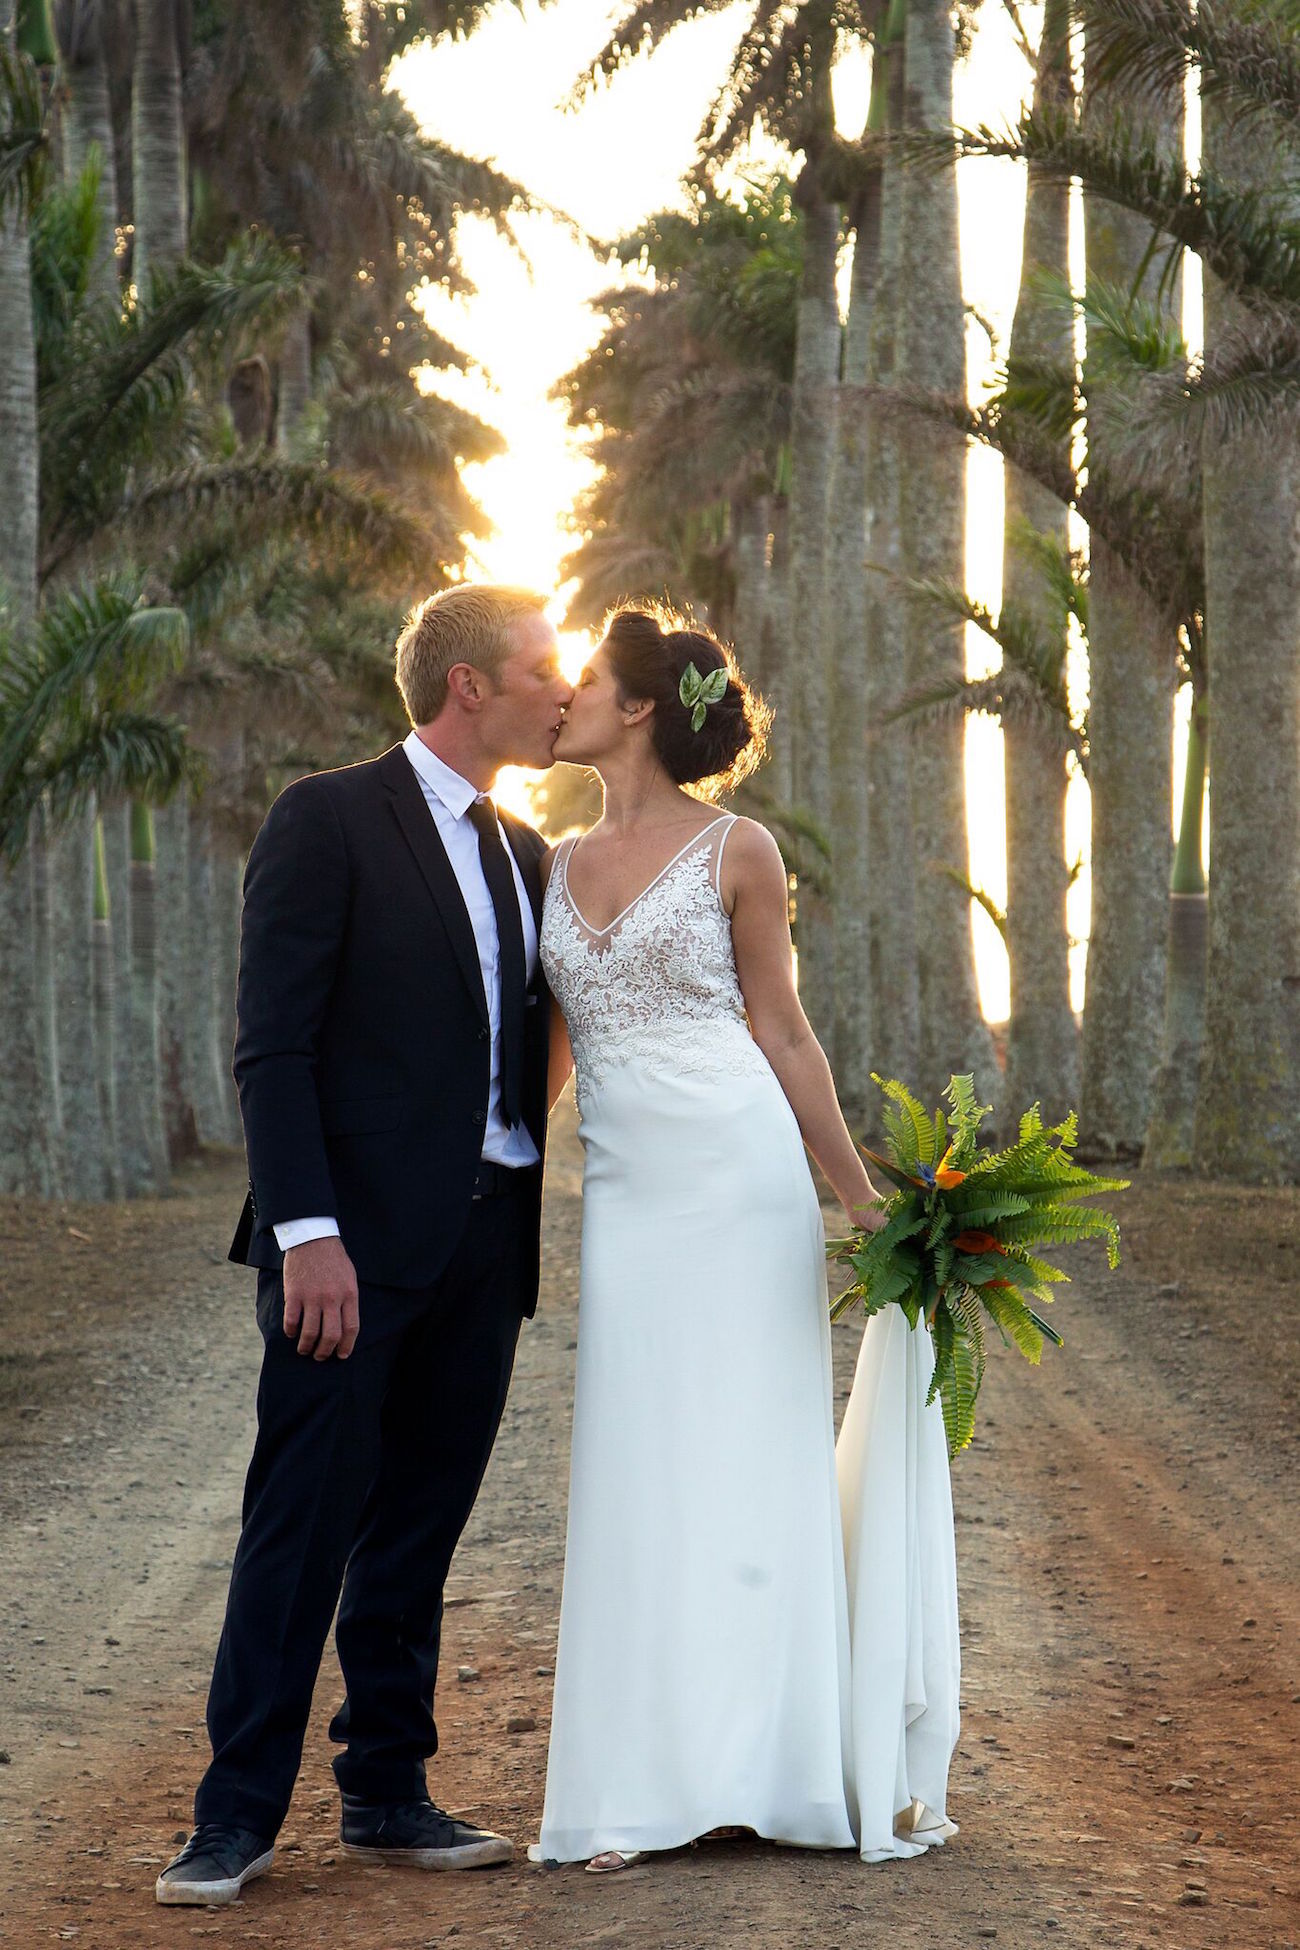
467, 624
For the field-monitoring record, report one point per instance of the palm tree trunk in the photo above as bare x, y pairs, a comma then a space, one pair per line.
104, 980
26, 1110
1130, 735
72, 906
145, 1040
88, 133
775, 660
228, 902
846, 604
158, 865
295, 379
25, 1160
895, 1029
749, 562
175, 1046
41, 850
135, 1159
954, 1035
157, 142
1131, 666
1248, 1115
1042, 1036
816, 375
18, 477
203, 953
1173, 1106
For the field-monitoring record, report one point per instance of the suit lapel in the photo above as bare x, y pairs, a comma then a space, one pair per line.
422, 837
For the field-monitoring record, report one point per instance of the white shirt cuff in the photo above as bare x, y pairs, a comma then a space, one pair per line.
297, 1232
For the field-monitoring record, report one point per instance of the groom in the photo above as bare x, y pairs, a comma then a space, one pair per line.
391, 1060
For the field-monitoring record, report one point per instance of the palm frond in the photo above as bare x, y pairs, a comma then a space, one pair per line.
638, 30
1247, 59
24, 135
298, 498
387, 424
1246, 237
96, 651
127, 374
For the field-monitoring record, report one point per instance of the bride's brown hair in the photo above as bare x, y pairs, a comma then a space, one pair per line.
649, 654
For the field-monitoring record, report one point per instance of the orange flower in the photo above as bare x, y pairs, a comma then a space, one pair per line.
946, 1175
977, 1242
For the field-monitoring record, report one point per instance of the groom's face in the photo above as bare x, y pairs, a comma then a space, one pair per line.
523, 711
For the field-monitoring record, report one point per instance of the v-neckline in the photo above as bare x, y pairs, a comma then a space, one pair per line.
649, 886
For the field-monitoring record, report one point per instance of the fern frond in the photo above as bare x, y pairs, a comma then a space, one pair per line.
915, 1127
1064, 1225
959, 1393
1015, 1321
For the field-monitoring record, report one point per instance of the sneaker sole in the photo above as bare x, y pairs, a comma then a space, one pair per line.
474, 1855
211, 1895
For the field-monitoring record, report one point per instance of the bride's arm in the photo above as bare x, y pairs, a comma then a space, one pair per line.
755, 890
560, 1061
560, 1058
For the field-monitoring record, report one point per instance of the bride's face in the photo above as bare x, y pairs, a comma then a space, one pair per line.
597, 720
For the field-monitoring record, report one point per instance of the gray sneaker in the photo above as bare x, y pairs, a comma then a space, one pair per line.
214, 1865
419, 1834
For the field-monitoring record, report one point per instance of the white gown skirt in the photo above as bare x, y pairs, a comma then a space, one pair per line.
702, 1675
896, 1503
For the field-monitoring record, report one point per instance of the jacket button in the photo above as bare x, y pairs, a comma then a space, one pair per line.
480, 1117
482, 1035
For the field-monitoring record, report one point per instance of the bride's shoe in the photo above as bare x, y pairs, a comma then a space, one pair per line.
613, 1860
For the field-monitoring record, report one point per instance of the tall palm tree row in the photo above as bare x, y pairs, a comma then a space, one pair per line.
1199, 561
1145, 609
25, 1161
282, 563
862, 984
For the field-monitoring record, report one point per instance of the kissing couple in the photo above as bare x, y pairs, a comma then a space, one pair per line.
750, 1638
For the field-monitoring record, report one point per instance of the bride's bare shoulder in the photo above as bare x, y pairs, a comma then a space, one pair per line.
751, 860
750, 840
551, 855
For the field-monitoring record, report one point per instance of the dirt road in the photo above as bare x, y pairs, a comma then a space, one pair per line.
1128, 1765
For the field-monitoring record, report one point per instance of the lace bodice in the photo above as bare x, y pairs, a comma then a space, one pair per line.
658, 986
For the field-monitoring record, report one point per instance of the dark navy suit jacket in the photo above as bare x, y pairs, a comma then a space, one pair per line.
362, 1053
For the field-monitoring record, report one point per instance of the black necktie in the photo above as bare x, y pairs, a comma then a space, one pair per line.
510, 937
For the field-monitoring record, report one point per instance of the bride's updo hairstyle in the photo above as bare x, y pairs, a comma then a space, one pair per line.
648, 661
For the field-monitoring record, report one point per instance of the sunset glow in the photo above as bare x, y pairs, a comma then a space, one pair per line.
502, 96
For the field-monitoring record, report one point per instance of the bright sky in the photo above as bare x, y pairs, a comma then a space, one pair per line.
500, 96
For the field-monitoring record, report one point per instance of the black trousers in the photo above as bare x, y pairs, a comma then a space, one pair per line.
363, 1476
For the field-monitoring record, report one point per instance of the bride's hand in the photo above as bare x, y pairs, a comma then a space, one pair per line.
865, 1216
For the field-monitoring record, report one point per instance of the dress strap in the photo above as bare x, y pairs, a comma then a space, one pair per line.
727, 821
730, 819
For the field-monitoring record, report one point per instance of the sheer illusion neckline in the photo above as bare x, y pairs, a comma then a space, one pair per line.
650, 885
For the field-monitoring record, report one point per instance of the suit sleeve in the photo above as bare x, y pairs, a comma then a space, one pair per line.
296, 898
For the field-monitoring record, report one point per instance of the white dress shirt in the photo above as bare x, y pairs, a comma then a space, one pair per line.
449, 797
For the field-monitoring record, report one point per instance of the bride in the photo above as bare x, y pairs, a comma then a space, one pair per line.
720, 1663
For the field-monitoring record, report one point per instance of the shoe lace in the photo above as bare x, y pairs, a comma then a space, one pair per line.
228, 1847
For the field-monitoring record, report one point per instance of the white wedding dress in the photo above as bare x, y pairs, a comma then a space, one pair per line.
721, 1660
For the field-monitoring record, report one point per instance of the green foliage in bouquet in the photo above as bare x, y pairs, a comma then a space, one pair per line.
956, 1245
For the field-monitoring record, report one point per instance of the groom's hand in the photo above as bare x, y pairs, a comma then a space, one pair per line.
321, 1305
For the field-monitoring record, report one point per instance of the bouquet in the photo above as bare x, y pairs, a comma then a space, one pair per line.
956, 1245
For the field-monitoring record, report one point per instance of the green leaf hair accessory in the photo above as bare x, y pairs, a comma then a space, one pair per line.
698, 693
